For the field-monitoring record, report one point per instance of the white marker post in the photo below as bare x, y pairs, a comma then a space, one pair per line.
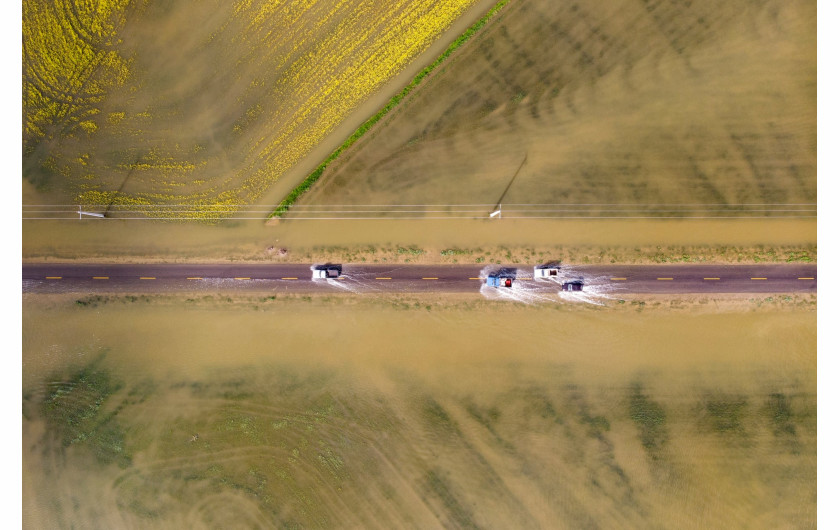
92, 214
497, 212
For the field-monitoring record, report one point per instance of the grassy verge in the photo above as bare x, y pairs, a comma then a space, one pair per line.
569, 254
313, 177
444, 302
437, 254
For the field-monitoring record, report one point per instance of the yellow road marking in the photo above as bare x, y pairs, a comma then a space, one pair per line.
242, 278
618, 279
758, 278
524, 278
195, 278
664, 279
147, 278
430, 278
383, 278
475, 278
289, 278
806, 278
711, 278
100, 277
53, 277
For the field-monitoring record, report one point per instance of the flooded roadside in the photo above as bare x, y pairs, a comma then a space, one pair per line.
333, 413
446, 241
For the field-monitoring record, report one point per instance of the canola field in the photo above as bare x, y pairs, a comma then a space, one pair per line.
142, 103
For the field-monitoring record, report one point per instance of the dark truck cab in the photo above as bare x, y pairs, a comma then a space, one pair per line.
325, 272
573, 285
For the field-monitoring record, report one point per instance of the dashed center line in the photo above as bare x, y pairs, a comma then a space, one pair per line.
429, 278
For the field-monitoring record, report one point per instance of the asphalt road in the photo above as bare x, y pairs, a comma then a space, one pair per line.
156, 278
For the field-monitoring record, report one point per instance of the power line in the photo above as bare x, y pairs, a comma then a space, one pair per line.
196, 212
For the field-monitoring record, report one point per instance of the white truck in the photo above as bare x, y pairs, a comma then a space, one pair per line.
547, 272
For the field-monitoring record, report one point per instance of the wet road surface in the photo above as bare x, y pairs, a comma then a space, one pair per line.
157, 278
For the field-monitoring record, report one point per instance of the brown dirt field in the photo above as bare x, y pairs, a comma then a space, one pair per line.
634, 103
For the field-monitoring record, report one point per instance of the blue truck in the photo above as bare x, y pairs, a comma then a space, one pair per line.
501, 278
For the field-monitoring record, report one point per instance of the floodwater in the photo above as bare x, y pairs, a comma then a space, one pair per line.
529, 290
253, 89
615, 108
384, 412
250, 240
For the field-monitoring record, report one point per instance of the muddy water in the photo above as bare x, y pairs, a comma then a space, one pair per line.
143, 240
386, 413
245, 83
613, 106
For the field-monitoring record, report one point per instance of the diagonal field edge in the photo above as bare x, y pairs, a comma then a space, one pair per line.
316, 174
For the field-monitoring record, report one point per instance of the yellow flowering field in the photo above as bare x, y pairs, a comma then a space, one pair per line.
209, 103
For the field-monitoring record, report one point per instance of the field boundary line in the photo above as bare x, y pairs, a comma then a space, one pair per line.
423, 218
393, 102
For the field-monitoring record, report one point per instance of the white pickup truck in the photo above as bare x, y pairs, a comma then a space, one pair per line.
547, 272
